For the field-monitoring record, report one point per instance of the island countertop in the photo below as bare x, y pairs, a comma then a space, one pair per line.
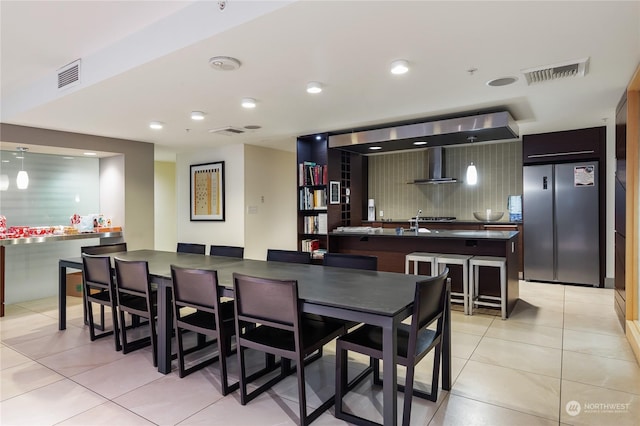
391, 249
450, 234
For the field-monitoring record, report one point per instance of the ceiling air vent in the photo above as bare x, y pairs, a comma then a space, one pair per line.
227, 131
576, 68
69, 75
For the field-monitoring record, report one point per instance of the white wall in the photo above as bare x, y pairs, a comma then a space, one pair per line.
270, 199
230, 231
165, 208
111, 184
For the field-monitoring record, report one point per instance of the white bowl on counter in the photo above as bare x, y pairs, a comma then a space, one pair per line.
488, 215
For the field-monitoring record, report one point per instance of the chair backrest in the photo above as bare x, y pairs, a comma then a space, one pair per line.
430, 301
195, 288
355, 261
133, 276
191, 248
96, 271
103, 249
267, 301
289, 256
227, 251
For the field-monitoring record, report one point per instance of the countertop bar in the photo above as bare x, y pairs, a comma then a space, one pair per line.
51, 238
455, 221
440, 234
42, 240
391, 249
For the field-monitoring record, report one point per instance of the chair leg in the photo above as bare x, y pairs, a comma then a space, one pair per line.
341, 377
408, 395
302, 394
180, 352
243, 376
116, 331
435, 377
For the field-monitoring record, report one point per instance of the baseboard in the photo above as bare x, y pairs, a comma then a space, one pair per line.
609, 282
633, 336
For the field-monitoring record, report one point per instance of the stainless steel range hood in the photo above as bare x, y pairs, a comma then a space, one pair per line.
435, 168
480, 127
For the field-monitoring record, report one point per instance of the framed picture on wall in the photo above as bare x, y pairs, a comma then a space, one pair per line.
334, 192
207, 191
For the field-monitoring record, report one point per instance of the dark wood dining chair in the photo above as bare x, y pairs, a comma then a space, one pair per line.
353, 261
98, 287
98, 250
415, 340
347, 260
268, 319
226, 251
289, 256
133, 290
191, 248
197, 308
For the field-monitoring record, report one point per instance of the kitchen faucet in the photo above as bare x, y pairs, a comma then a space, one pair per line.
417, 218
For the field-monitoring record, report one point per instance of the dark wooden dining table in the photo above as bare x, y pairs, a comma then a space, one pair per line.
383, 299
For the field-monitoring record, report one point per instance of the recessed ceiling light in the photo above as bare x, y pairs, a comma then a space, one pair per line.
504, 81
90, 154
399, 66
5, 161
224, 63
67, 158
420, 143
248, 103
314, 87
375, 148
156, 125
197, 115
318, 137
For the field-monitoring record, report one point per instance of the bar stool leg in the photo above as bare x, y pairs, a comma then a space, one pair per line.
406, 265
465, 289
503, 291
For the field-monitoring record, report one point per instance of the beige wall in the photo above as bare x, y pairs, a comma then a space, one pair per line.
270, 199
165, 208
499, 168
231, 230
137, 170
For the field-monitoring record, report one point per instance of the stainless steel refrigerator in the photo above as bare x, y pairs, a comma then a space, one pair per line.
561, 223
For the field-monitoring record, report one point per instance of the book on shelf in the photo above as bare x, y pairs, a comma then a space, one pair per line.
310, 245
313, 199
311, 174
322, 223
318, 254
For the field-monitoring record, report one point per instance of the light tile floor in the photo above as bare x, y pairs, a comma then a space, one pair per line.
562, 346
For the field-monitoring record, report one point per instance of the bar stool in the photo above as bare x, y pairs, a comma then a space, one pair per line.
494, 262
417, 257
444, 260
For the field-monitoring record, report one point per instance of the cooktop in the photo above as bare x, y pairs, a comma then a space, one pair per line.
436, 218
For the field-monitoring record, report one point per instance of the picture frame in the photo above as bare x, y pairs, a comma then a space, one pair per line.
334, 192
206, 199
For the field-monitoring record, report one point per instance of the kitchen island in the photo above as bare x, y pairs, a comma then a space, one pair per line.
391, 249
28, 262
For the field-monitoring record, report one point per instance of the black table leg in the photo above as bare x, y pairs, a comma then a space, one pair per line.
62, 296
165, 326
390, 375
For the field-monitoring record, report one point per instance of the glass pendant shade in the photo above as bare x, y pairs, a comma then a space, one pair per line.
472, 174
22, 180
4, 182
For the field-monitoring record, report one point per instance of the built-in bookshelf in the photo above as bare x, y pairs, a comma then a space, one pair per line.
313, 180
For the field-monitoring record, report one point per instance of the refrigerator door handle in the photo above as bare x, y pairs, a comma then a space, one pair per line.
544, 182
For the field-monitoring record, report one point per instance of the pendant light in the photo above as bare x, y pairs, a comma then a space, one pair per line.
472, 174
22, 181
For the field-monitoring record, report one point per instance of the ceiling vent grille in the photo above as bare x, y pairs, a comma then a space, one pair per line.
576, 68
69, 75
227, 131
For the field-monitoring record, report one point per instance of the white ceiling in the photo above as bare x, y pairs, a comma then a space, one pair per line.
148, 60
